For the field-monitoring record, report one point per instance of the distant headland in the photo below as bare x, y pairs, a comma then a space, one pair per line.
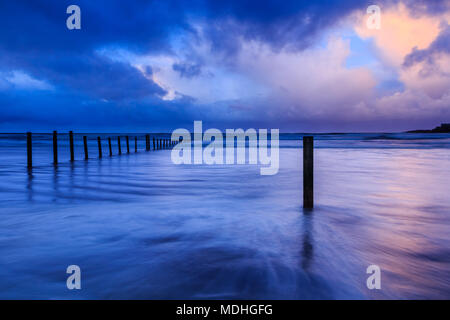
443, 128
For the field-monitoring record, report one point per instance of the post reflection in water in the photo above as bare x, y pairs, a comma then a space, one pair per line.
29, 185
55, 183
307, 239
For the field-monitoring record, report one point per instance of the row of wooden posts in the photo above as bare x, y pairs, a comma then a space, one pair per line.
308, 157
157, 145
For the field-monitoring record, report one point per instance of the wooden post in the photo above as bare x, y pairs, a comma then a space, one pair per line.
72, 155
110, 148
147, 142
308, 172
120, 147
99, 142
154, 145
128, 145
85, 148
135, 144
29, 151
55, 147
160, 144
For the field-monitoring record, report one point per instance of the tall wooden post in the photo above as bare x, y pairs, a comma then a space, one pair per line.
147, 142
120, 147
308, 172
110, 148
99, 142
154, 144
72, 155
86, 156
135, 144
128, 144
55, 147
29, 151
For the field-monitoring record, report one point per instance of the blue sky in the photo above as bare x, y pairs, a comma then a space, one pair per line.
160, 65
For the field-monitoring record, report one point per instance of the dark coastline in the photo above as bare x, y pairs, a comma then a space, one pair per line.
443, 128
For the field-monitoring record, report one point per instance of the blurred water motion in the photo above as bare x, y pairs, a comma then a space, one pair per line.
141, 227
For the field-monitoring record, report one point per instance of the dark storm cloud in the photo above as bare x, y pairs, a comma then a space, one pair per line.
34, 39
91, 74
91, 89
147, 25
40, 25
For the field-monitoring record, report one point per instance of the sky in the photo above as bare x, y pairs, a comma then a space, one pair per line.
152, 66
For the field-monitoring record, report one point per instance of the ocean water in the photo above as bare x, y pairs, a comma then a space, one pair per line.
141, 227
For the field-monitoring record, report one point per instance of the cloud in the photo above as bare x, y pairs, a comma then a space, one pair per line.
187, 70
413, 42
311, 83
428, 70
401, 31
19, 80
267, 63
441, 45
91, 74
144, 26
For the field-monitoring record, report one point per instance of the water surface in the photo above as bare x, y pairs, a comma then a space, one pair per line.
141, 227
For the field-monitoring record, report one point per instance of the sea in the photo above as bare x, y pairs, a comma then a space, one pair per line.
139, 226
